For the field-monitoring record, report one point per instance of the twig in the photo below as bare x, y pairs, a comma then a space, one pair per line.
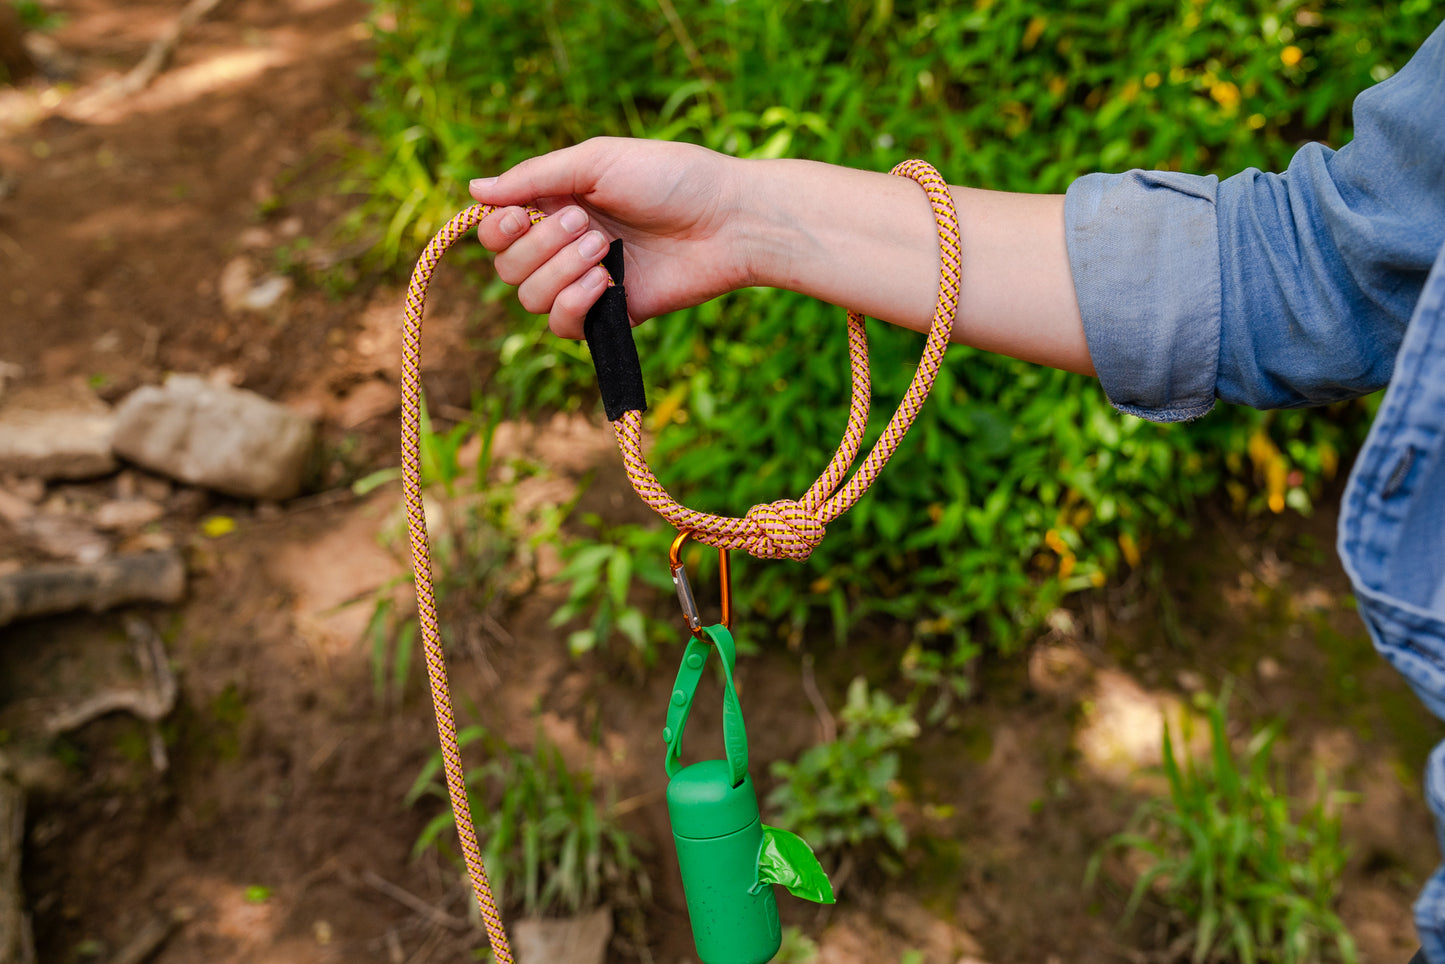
689, 49
637, 802
407, 899
826, 721
159, 55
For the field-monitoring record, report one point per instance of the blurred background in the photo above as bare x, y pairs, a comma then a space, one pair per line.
1066, 686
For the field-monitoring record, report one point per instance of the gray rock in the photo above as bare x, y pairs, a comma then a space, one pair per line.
56, 432
222, 438
576, 940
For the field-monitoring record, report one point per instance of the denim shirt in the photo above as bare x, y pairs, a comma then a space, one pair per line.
1281, 290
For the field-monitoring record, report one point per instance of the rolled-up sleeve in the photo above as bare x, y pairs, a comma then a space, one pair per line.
1144, 250
1270, 290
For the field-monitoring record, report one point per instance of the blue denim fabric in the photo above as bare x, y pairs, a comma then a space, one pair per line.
1276, 290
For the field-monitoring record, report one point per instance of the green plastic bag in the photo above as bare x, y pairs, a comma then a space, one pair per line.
787, 859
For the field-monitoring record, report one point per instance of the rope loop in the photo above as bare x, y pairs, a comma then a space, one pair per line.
787, 529
784, 529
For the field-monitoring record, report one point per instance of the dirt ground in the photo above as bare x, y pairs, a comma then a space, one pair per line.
277, 830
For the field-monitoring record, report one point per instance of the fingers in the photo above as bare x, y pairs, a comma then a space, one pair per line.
560, 173
569, 308
553, 263
500, 228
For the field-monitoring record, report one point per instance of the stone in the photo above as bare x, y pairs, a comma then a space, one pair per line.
56, 432
227, 439
241, 291
128, 515
63, 537
576, 940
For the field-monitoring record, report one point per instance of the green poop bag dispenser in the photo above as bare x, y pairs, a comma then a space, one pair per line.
729, 860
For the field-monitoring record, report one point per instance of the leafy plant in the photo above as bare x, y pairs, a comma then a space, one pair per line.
841, 793
599, 573
1230, 861
549, 845
1023, 484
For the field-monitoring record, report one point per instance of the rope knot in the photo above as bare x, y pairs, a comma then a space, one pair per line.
784, 529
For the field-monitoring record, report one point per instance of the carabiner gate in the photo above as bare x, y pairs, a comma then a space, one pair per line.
690, 613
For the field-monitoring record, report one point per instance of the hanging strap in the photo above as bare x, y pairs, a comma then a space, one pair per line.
735, 735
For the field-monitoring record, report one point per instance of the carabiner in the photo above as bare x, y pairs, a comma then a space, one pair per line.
690, 615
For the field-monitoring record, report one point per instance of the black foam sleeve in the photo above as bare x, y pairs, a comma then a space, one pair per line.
614, 353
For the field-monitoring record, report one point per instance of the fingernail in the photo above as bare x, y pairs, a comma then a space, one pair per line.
573, 219
591, 245
481, 183
594, 279
511, 224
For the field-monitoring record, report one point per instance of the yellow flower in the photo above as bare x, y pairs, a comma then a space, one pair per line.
1226, 93
1291, 55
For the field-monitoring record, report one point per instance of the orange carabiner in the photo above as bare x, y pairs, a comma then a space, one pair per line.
690, 614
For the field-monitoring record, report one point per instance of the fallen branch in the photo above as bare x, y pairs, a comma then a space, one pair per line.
407, 899
46, 590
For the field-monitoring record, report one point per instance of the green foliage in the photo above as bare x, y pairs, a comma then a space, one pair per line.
797, 948
38, 16
600, 575
840, 793
1235, 868
549, 846
1017, 484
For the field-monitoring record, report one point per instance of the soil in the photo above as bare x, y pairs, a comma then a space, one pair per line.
277, 830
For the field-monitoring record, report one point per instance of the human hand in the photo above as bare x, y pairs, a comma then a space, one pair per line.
673, 205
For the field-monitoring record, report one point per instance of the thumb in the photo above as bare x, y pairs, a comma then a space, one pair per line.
558, 174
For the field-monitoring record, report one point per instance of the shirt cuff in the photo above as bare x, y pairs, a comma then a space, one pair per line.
1144, 251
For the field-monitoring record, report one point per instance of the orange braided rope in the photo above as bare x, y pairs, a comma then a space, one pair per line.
782, 529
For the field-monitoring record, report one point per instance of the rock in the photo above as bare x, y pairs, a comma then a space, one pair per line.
576, 940
44, 590
241, 291
64, 537
227, 439
128, 515
56, 432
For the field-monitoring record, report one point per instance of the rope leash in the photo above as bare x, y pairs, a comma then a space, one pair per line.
784, 529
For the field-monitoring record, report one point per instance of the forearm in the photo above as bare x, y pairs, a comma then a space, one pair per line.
867, 241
